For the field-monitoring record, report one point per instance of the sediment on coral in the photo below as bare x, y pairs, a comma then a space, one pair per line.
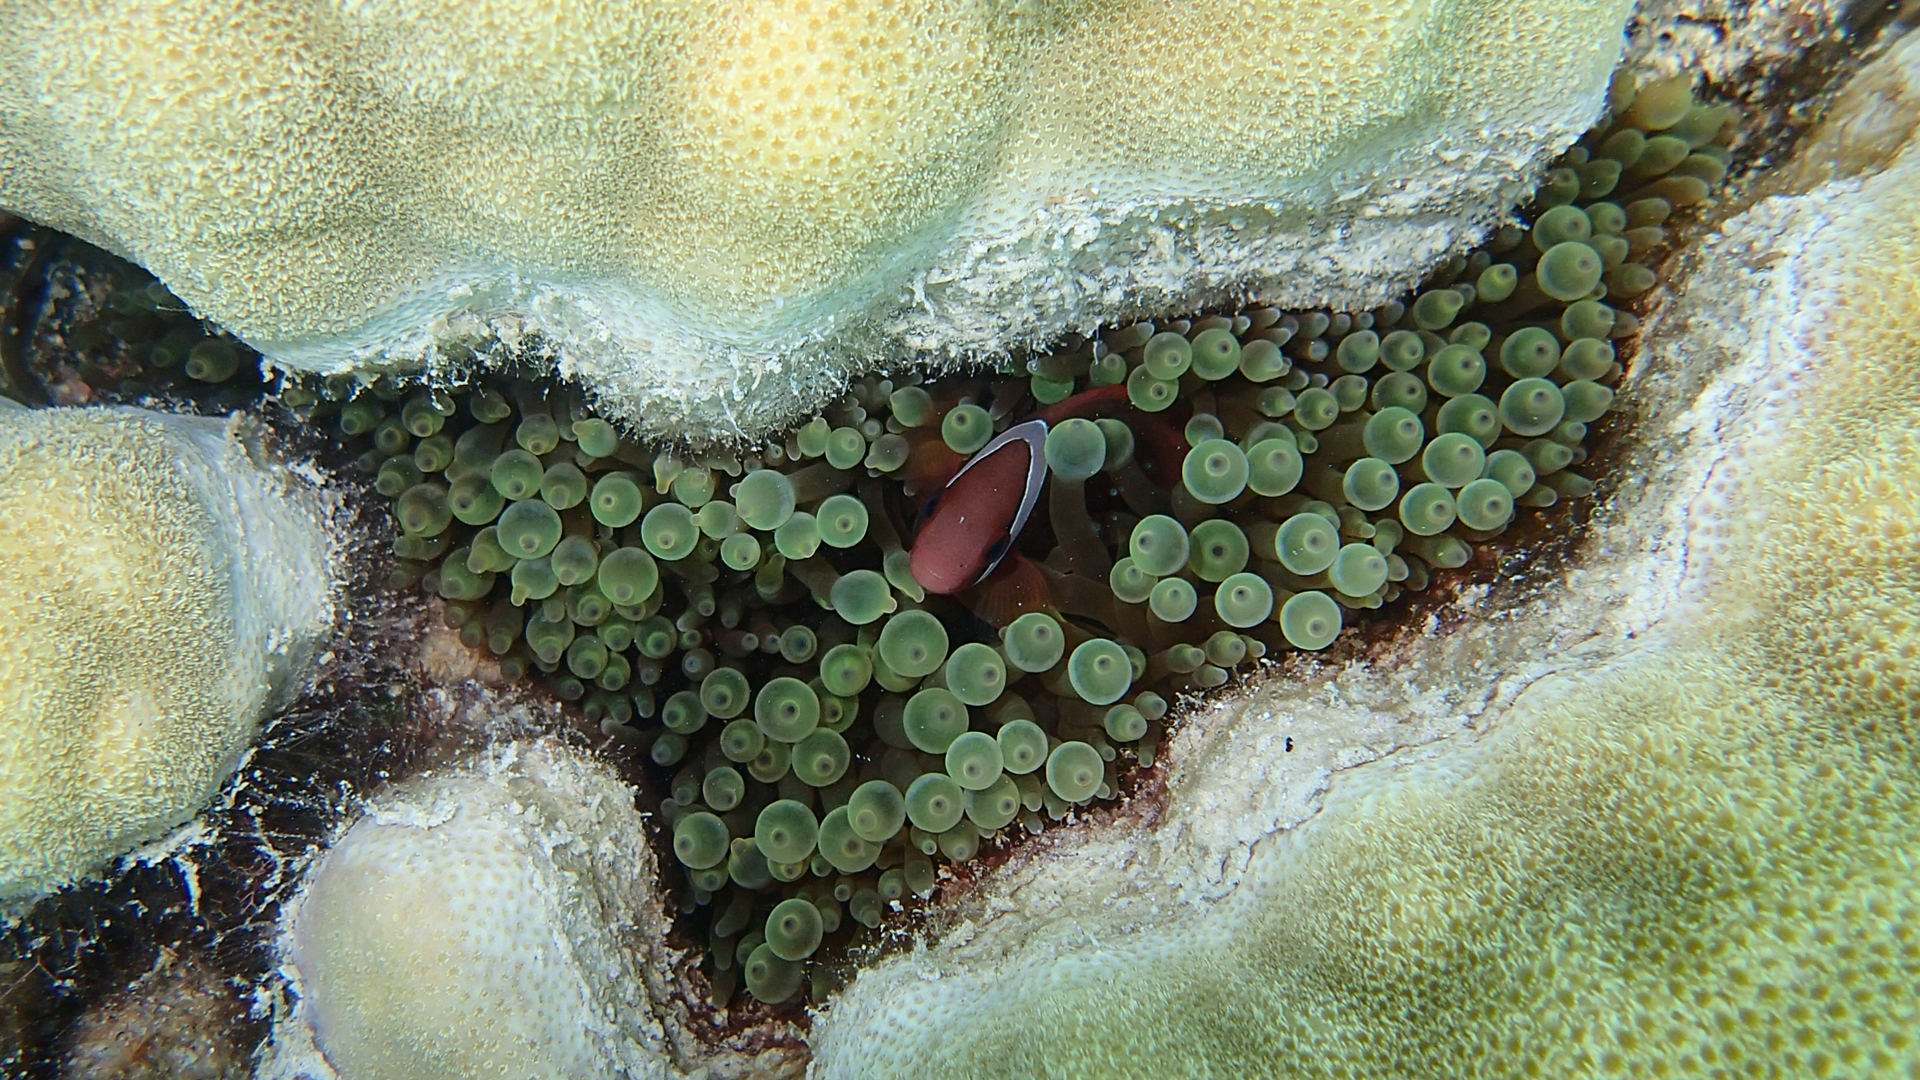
845, 689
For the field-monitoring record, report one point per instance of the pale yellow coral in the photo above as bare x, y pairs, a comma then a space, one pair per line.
1681, 838
157, 585
714, 212
491, 921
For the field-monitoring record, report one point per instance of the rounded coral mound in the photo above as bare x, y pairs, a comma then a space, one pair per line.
714, 214
158, 583
494, 920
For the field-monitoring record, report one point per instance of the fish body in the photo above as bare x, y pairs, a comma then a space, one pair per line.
971, 525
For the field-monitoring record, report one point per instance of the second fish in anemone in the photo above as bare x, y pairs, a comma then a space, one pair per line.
942, 613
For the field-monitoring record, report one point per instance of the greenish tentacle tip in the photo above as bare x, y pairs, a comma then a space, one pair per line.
528, 529
1158, 545
1400, 389
422, 510
615, 500
1394, 434
683, 713
700, 841
1402, 350
935, 802
1456, 370
1306, 544
595, 437
533, 579
1023, 746
725, 692
563, 486
213, 360
1274, 467
1435, 309
1532, 407
1559, 225
1216, 354
798, 537
1358, 352
974, 761
1485, 505
786, 831
1530, 353
844, 849
1586, 401
994, 806
1100, 671
1371, 484
1173, 600
1315, 409
1075, 771
537, 434
474, 501
770, 979
913, 643
722, 788
1129, 583
1244, 600
1262, 361
861, 597
1587, 358
741, 551
876, 810
1034, 642
933, 718
1470, 414
793, 929
1310, 620
516, 474
742, 741
1359, 570
1512, 469
1570, 270
821, 758
842, 519
668, 532
1124, 723
1215, 471
1150, 394
1219, 550
966, 428
1497, 283
846, 670
764, 499
1167, 355
1453, 460
976, 674
786, 709
1426, 509
1586, 319
574, 560
1076, 449
845, 448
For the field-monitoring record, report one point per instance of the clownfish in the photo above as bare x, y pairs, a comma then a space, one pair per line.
971, 524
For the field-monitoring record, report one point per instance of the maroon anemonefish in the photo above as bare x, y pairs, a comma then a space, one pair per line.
971, 525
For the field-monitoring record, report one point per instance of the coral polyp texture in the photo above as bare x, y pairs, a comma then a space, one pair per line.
714, 215
163, 580
494, 919
1678, 844
947, 611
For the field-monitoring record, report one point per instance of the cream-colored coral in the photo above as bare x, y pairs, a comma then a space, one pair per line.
714, 212
492, 921
1674, 832
159, 583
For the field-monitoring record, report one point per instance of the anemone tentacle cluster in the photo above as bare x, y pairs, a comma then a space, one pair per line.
717, 213
837, 708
